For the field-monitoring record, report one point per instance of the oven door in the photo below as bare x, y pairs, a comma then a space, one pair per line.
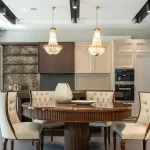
128, 92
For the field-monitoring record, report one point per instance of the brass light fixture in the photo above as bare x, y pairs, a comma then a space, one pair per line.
52, 47
96, 48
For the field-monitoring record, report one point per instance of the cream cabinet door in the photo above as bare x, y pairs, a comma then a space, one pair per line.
142, 76
142, 45
124, 60
83, 59
124, 46
92, 82
102, 63
1, 67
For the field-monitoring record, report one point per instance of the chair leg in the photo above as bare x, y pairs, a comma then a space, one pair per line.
109, 134
12, 144
144, 144
37, 144
32, 142
89, 134
5, 144
51, 135
105, 137
114, 139
42, 139
123, 142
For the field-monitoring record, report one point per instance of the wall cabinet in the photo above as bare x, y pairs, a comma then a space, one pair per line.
124, 60
142, 45
124, 46
92, 82
86, 63
60, 63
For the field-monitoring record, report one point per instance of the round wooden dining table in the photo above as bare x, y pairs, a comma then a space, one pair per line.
77, 118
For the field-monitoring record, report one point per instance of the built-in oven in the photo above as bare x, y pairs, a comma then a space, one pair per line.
127, 91
124, 83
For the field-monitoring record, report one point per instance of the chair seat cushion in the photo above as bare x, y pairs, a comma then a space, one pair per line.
48, 124
100, 124
27, 130
130, 130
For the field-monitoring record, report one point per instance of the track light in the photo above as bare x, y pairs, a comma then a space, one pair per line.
137, 20
3, 11
75, 18
148, 7
74, 4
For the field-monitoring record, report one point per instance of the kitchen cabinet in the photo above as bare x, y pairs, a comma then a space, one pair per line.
83, 59
92, 82
142, 45
102, 63
142, 76
1, 67
124, 46
124, 60
63, 62
86, 63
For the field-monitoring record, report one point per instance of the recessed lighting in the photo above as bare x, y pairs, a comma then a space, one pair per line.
33, 8
148, 8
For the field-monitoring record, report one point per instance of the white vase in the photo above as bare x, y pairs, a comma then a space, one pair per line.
63, 93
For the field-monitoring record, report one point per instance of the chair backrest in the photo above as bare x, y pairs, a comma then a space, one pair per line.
6, 126
100, 96
42, 99
12, 107
144, 114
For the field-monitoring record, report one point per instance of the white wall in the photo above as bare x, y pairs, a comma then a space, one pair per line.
74, 36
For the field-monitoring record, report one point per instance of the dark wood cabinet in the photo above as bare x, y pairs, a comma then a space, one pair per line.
60, 63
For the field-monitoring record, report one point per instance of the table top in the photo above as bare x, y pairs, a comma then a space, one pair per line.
80, 113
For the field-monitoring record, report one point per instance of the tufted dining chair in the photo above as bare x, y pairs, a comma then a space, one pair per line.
11, 127
44, 99
105, 97
135, 131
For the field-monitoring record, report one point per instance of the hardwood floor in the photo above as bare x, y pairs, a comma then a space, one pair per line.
96, 143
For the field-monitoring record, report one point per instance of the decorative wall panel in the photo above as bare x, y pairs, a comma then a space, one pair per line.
20, 67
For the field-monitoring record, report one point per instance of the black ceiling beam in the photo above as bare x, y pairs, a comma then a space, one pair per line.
75, 13
7, 13
142, 13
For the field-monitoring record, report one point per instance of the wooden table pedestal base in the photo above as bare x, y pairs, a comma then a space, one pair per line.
76, 136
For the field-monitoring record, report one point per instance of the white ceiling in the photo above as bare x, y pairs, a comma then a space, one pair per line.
112, 14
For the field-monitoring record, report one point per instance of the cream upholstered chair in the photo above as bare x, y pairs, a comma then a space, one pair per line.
11, 127
44, 99
106, 97
138, 130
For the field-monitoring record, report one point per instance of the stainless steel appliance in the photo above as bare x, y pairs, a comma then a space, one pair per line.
124, 82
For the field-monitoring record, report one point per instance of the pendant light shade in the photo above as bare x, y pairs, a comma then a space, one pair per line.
52, 47
96, 48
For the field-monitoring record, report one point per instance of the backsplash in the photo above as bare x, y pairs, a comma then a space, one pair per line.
20, 67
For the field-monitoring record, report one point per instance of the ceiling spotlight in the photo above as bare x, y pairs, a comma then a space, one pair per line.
3, 11
137, 20
148, 7
74, 4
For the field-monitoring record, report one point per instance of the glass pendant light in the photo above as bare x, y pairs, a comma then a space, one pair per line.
52, 47
96, 48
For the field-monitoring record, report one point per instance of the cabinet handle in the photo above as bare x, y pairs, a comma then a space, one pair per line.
125, 89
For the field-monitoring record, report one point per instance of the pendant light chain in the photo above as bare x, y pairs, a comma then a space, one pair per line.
53, 16
97, 7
